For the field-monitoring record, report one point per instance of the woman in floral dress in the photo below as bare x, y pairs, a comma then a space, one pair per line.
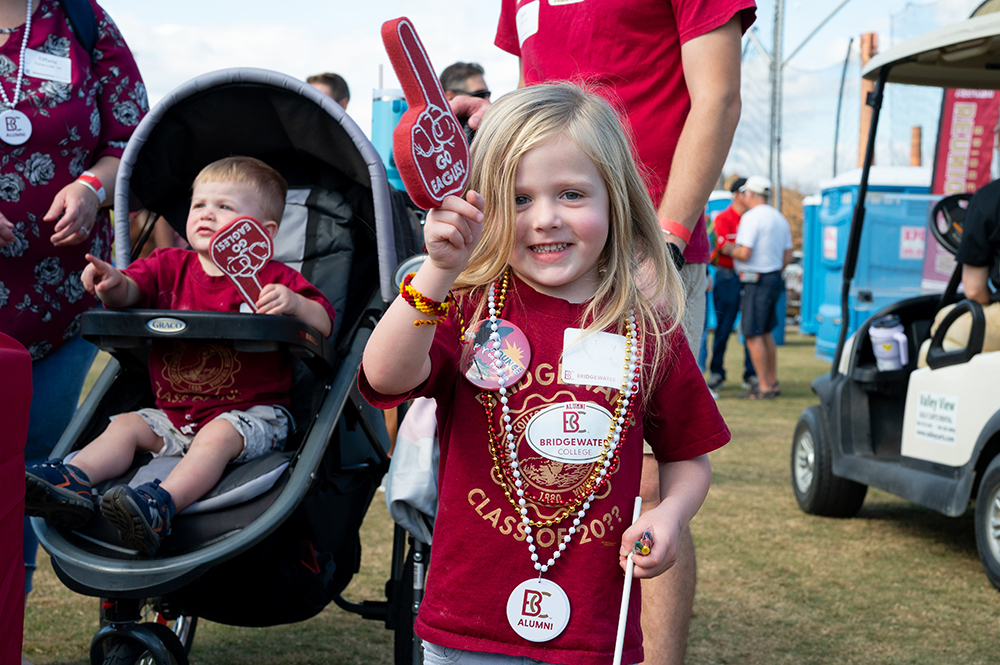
65, 117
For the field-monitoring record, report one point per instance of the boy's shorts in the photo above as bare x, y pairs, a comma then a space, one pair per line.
262, 427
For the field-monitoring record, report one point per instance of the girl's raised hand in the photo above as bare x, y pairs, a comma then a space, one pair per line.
452, 230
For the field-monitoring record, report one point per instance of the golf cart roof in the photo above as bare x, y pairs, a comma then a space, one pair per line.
963, 55
882, 176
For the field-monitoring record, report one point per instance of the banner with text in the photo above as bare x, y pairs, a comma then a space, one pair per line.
965, 140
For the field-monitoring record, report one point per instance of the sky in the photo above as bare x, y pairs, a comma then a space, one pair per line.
176, 40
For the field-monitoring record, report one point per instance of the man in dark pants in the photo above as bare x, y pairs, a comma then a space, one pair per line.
762, 249
726, 292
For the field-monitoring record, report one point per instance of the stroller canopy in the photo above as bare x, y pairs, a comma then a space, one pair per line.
283, 121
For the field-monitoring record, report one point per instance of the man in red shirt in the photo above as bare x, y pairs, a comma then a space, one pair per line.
726, 292
664, 62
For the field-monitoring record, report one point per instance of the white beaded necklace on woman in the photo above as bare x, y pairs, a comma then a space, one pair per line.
559, 607
15, 127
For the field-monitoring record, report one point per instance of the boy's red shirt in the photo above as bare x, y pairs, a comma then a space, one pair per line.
194, 383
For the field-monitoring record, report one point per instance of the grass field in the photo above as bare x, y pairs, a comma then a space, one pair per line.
896, 585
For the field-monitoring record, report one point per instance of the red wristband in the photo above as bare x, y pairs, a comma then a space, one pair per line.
93, 183
671, 227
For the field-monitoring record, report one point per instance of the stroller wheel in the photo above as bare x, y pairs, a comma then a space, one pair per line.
128, 648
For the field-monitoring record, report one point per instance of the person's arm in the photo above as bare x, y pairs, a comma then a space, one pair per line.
738, 252
711, 64
279, 299
786, 258
74, 209
114, 288
683, 488
975, 282
396, 358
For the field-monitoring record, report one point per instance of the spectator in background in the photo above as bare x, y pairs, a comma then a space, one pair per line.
333, 86
762, 249
673, 68
464, 78
726, 292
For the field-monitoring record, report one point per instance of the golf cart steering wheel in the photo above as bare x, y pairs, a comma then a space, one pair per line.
948, 219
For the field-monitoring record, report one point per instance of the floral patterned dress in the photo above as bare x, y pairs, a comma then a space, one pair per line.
73, 126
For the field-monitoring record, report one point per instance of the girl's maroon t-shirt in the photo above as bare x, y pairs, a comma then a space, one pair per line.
480, 553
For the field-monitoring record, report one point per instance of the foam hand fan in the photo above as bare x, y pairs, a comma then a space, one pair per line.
240, 249
428, 144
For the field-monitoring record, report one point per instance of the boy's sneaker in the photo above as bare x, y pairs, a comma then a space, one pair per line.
141, 515
749, 382
60, 493
715, 381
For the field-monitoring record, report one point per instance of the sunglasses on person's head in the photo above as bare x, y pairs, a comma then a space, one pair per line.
482, 94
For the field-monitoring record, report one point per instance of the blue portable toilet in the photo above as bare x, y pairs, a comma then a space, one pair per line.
388, 106
811, 296
891, 255
718, 201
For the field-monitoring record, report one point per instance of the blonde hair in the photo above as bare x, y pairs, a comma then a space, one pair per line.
635, 271
265, 182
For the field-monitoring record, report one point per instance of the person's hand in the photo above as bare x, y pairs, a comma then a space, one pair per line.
74, 210
452, 231
469, 109
100, 277
662, 555
277, 299
6, 231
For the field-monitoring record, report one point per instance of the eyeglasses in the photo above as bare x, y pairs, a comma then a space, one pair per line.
482, 94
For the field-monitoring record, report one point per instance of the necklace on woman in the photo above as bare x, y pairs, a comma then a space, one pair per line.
538, 609
15, 127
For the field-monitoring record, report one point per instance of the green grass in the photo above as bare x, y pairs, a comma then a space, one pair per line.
896, 585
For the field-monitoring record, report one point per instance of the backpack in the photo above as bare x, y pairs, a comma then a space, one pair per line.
83, 22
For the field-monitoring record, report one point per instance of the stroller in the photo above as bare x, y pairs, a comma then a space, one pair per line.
285, 525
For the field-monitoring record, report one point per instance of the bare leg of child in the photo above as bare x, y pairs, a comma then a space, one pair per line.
213, 447
110, 454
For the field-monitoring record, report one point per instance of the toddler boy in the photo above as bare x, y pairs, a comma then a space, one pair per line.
214, 404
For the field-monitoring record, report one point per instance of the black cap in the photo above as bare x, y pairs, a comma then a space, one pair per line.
735, 187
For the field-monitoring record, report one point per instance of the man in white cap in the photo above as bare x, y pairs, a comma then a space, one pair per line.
762, 249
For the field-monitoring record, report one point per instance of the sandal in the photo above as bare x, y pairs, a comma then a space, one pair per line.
756, 393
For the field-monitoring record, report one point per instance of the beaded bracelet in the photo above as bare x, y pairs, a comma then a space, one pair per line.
424, 304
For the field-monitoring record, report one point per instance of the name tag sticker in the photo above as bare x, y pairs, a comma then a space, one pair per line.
49, 67
593, 360
527, 21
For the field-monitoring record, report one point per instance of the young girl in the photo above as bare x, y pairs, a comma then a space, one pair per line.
534, 323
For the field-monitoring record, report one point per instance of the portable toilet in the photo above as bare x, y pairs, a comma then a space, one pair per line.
811, 293
891, 255
718, 201
388, 106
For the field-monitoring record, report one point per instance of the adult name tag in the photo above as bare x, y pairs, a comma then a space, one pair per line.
49, 67
240, 249
538, 610
593, 360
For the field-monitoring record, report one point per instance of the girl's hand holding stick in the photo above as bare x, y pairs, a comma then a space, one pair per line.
626, 591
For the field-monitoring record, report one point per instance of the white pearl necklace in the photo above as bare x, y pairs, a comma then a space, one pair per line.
612, 445
20, 67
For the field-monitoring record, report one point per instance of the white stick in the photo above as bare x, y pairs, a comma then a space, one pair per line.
626, 592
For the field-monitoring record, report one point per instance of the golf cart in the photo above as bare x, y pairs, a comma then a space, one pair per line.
929, 434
